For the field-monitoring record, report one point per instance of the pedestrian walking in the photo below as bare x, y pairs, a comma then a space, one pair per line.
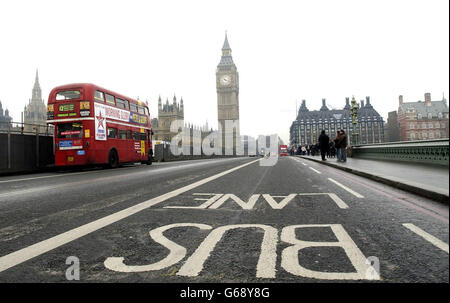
343, 145
323, 144
337, 146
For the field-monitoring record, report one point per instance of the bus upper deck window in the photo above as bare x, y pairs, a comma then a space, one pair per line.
99, 96
122, 103
68, 95
110, 99
133, 107
141, 110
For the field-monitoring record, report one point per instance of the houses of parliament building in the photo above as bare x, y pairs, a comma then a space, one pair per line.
227, 87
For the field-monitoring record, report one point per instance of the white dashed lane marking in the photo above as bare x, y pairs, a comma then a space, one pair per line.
315, 170
346, 188
430, 238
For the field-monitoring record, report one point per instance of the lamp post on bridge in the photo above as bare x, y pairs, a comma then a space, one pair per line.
354, 113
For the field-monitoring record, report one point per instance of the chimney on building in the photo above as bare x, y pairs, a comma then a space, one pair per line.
324, 105
400, 100
428, 99
362, 103
347, 103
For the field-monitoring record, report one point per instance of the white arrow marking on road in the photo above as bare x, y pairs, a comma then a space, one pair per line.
42, 247
430, 238
315, 170
346, 188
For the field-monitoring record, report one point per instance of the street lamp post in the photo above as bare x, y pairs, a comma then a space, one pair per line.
354, 113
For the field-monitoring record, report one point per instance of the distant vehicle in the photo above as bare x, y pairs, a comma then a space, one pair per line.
94, 125
283, 150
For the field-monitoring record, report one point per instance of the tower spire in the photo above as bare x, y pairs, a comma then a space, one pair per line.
226, 45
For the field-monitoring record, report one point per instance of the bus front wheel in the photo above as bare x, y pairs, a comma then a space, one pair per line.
113, 159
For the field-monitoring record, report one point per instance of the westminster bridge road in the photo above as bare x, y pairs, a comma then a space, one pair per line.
218, 220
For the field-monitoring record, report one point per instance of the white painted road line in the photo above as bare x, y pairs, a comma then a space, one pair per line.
346, 188
44, 177
430, 238
338, 201
315, 170
42, 247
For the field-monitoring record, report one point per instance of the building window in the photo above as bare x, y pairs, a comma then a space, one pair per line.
411, 126
430, 125
419, 116
437, 125
431, 135
430, 115
440, 115
412, 137
424, 135
424, 125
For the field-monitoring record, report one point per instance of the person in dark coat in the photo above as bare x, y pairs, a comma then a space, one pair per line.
338, 146
323, 144
343, 145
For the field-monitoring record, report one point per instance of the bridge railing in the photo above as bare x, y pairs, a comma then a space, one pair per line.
26, 128
425, 151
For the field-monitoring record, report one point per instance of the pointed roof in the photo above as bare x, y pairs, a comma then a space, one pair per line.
226, 45
36, 80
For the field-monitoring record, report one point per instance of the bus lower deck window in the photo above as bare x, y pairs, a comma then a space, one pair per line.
112, 133
69, 130
122, 134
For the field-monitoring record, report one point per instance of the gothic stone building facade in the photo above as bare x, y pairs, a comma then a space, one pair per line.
167, 113
227, 85
423, 120
308, 125
5, 119
35, 113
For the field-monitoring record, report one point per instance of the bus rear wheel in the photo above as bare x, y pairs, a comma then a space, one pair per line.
150, 160
113, 159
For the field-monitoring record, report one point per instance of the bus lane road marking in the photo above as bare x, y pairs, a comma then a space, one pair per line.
193, 266
44, 246
430, 238
217, 200
346, 188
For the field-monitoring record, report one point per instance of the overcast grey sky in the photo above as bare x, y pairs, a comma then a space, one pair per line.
285, 51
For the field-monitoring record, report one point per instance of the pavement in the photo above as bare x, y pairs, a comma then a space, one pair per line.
427, 180
219, 221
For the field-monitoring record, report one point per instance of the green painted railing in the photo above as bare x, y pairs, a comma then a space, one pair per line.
429, 151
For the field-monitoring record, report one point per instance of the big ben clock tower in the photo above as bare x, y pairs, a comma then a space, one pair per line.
227, 83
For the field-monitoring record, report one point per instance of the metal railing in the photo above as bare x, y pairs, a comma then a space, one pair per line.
26, 128
424, 151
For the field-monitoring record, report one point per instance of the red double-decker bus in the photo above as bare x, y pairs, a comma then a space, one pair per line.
94, 125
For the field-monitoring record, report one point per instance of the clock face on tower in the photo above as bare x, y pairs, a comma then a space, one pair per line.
225, 80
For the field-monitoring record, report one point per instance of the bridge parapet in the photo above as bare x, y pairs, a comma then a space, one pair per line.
429, 151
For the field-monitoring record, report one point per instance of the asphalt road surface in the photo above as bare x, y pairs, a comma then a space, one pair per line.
219, 220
